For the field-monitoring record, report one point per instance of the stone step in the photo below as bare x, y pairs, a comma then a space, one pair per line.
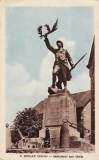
80, 144
73, 138
73, 132
83, 140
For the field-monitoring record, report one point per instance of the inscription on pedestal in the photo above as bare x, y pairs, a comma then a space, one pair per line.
58, 107
54, 112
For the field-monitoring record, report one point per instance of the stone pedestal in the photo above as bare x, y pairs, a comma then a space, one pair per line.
59, 116
59, 107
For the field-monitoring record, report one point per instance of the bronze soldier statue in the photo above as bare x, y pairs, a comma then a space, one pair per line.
62, 60
61, 66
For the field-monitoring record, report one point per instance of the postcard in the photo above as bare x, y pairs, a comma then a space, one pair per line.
49, 80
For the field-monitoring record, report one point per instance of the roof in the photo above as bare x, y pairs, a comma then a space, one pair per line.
91, 54
39, 107
82, 98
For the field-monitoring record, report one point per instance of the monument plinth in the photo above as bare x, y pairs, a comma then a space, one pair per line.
57, 108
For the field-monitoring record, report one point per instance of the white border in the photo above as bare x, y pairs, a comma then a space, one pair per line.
3, 5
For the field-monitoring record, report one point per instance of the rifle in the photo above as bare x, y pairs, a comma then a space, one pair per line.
78, 62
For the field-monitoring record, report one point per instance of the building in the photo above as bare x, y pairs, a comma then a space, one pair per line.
83, 110
91, 67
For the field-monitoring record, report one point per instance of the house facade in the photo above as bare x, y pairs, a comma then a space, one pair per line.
83, 110
91, 67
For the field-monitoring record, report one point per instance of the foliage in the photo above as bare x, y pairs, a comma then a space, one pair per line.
29, 122
40, 31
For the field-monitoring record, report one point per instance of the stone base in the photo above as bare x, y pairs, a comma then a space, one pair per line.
79, 144
54, 137
72, 138
59, 113
74, 132
55, 143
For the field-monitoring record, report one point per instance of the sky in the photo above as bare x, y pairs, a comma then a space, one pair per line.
28, 61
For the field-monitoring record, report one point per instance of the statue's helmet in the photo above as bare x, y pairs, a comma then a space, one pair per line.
59, 42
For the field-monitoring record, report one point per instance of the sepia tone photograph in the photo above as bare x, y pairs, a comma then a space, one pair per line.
50, 81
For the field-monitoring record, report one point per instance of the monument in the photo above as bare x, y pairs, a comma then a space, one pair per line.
59, 125
59, 116
62, 60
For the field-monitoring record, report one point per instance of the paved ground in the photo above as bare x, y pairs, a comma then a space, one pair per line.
66, 150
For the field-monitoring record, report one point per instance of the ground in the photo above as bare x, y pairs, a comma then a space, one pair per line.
47, 150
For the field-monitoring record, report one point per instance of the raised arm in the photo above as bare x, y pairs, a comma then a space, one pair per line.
48, 45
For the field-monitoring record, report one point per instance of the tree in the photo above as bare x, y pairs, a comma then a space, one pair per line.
29, 122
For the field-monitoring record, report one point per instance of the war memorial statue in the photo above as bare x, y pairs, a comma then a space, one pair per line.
61, 67
58, 127
62, 61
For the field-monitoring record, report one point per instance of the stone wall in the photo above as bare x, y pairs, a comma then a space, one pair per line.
8, 139
91, 67
87, 116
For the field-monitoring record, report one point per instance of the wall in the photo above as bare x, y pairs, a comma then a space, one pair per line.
87, 116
